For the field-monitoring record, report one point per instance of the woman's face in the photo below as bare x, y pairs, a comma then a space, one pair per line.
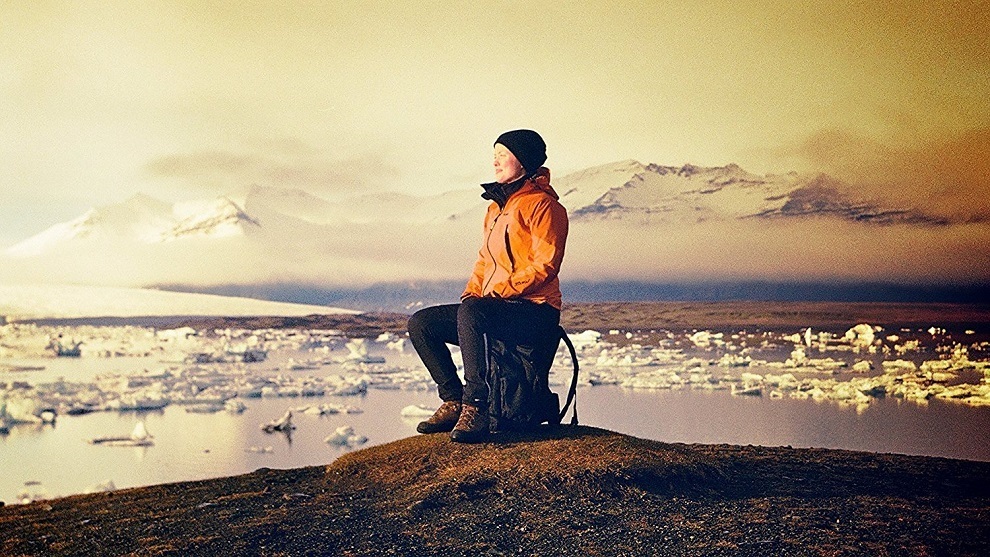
507, 166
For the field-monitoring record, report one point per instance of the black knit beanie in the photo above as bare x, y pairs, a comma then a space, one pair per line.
527, 146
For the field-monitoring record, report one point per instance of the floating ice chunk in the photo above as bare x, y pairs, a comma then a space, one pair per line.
173, 335
798, 357
862, 366
295, 365
653, 379
205, 408
147, 400
21, 409
784, 382
825, 364
140, 433
241, 353
585, 340
898, 366
627, 357
346, 386
309, 410
862, 335
282, 424
794, 339
358, 352
747, 391
941, 376
344, 436
734, 360
751, 378
704, 339
908, 346
260, 450
101, 487
139, 438
417, 411
234, 406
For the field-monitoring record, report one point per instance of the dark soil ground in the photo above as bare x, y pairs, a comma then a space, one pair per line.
666, 315
569, 491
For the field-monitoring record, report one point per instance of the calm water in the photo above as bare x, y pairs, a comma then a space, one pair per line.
55, 460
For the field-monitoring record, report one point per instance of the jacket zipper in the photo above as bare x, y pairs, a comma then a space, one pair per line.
490, 254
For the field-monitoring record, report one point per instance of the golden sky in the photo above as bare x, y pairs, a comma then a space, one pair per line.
104, 99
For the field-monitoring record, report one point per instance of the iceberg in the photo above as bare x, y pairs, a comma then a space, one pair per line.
344, 436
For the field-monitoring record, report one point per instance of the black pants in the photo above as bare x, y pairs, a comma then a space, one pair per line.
466, 325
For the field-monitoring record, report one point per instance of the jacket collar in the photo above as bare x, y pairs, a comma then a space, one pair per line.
500, 193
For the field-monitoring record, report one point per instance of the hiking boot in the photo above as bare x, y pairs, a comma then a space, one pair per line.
472, 426
444, 419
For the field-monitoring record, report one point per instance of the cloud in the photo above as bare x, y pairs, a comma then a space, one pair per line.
286, 163
808, 249
203, 164
947, 176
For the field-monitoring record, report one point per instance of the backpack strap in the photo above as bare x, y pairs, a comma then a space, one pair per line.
572, 392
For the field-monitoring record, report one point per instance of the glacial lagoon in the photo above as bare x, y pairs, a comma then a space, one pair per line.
920, 392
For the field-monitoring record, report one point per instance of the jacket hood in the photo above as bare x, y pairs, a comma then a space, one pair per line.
541, 181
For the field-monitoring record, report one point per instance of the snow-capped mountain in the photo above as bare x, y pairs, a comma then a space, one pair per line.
822, 195
219, 218
141, 217
655, 194
652, 193
628, 219
146, 220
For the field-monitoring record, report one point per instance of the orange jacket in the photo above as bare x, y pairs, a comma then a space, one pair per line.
523, 246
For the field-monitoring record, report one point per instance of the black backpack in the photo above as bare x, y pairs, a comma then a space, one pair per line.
519, 377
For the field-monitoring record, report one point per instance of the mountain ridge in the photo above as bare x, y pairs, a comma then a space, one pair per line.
649, 193
629, 221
